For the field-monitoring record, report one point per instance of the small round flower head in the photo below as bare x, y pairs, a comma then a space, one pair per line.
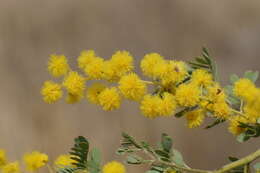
252, 108
149, 64
149, 106
221, 110
35, 160
201, 77
171, 72
122, 62
109, 99
234, 125
132, 87
64, 161
74, 83
51, 92
195, 118
113, 167
167, 104
72, 98
85, 58
187, 95
245, 89
58, 65
95, 68
3, 158
12, 167
93, 92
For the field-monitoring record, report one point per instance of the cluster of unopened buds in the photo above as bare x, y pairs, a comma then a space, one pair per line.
168, 87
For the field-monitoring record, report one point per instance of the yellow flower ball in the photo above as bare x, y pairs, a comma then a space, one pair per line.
132, 87
122, 62
149, 106
3, 158
95, 68
64, 161
12, 167
149, 64
109, 99
85, 58
93, 92
72, 98
58, 65
51, 92
74, 83
187, 95
234, 127
35, 160
113, 167
201, 77
195, 118
245, 89
167, 104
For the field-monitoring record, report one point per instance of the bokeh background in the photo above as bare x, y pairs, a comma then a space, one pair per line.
30, 30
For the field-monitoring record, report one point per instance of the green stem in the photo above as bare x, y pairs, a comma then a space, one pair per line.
240, 162
244, 161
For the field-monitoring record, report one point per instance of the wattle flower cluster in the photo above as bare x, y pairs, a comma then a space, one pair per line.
170, 86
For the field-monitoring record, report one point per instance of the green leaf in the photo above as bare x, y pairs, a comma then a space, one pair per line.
233, 78
232, 159
80, 152
251, 75
216, 122
177, 158
94, 162
162, 153
257, 166
95, 155
152, 171
166, 142
132, 159
258, 120
185, 110
242, 137
67, 170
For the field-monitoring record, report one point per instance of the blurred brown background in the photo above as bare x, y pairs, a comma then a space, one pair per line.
30, 30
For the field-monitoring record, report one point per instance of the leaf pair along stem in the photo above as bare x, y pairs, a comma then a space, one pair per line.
241, 162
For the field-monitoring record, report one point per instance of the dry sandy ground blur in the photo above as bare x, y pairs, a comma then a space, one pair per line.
30, 30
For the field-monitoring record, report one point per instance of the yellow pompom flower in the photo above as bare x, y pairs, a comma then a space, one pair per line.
132, 87
149, 64
85, 58
167, 105
149, 106
187, 95
122, 62
95, 68
221, 110
170, 72
245, 89
58, 65
195, 118
201, 77
74, 83
51, 92
64, 161
35, 160
72, 98
234, 125
3, 158
93, 92
12, 167
109, 99
113, 167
